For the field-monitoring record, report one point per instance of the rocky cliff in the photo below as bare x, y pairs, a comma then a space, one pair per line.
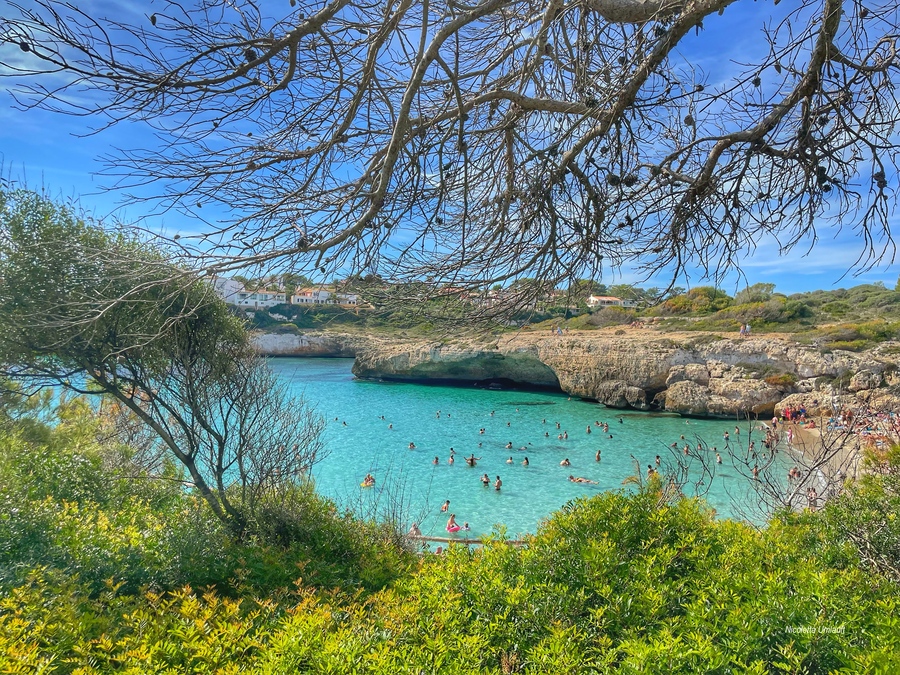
689, 373
311, 344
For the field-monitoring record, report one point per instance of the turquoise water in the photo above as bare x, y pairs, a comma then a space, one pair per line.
367, 444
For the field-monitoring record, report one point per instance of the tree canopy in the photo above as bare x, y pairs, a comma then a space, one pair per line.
476, 143
101, 312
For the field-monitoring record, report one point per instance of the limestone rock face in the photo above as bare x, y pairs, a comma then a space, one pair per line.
865, 379
688, 373
740, 395
687, 398
619, 394
309, 344
454, 364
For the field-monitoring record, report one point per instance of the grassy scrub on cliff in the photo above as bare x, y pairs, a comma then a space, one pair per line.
100, 572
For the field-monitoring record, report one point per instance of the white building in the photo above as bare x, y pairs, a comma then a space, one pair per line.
321, 296
260, 299
609, 301
227, 289
311, 296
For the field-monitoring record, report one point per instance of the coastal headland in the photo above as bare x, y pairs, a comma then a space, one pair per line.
690, 373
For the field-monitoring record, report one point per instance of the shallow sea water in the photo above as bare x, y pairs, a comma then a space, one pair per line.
529, 494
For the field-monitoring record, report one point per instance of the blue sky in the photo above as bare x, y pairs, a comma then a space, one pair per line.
58, 152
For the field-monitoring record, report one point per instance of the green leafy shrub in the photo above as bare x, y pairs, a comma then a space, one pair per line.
611, 316
782, 380
615, 583
286, 329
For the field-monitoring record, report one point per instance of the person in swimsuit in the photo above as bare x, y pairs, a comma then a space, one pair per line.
579, 479
451, 524
445, 506
485, 480
565, 462
498, 484
525, 462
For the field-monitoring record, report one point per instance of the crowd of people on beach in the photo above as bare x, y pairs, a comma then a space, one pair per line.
872, 427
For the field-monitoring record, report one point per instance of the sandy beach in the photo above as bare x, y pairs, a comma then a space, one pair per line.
840, 450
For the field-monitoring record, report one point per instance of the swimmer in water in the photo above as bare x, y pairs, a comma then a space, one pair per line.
509, 446
498, 484
565, 462
485, 480
579, 479
547, 434
436, 461
566, 435
450, 460
412, 446
657, 460
472, 459
588, 428
465, 527
597, 456
369, 480
509, 461
718, 458
525, 462
390, 426
445, 506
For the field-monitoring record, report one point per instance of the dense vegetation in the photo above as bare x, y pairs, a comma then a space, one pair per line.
851, 319
100, 311
105, 569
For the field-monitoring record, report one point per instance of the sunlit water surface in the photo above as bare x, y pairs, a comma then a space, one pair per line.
410, 479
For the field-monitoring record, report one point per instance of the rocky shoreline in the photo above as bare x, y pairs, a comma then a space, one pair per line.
693, 374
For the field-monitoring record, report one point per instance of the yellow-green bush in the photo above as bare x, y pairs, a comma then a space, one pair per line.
616, 583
